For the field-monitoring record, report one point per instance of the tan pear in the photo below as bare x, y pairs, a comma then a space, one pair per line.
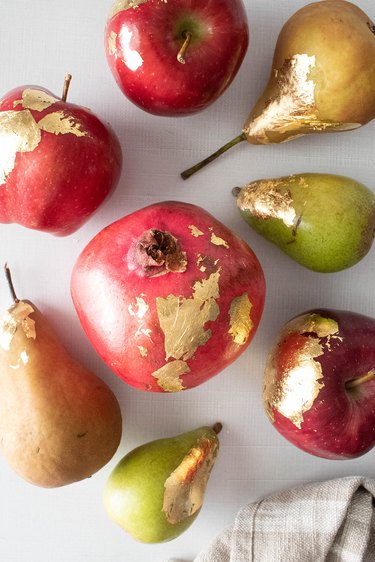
322, 78
59, 423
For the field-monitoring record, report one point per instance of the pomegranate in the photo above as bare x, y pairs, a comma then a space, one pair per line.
168, 296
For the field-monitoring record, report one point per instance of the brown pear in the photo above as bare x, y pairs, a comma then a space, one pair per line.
59, 423
322, 78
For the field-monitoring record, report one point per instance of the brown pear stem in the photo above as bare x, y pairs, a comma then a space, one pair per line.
217, 427
181, 53
236, 191
10, 283
190, 171
67, 80
353, 383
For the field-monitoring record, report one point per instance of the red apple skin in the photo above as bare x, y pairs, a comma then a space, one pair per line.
106, 284
59, 184
339, 422
142, 42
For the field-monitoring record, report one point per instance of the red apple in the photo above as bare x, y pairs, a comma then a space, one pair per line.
319, 387
58, 161
168, 296
143, 42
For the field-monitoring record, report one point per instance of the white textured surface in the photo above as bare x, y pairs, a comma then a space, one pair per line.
42, 41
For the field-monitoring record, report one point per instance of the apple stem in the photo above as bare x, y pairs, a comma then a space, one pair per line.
67, 80
10, 283
181, 53
217, 427
190, 171
360, 380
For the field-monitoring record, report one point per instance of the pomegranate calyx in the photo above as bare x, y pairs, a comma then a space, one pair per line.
157, 252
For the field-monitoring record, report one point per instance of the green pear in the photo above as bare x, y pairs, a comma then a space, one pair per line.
156, 491
322, 78
59, 423
323, 221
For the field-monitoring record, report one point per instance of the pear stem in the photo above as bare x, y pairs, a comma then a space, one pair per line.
236, 191
67, 80
190, 171
181, 53
353, 383
217, 427
10, 283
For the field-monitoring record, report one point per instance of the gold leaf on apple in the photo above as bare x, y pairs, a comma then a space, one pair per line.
36, 100
19, 132
168, 376
240, 320
59, 123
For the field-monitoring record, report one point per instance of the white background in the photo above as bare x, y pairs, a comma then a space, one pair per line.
40, 42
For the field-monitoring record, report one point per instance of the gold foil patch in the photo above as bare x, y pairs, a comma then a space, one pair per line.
183, 320
195, 231
121, 5
18, 316
322, 327
240, 320
19, 132
217, 241
112, 43
59, 123
266, 199
36, 100
168, 376
143, 350
140, 309
186, 486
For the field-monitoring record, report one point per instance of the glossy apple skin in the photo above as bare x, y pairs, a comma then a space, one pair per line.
142, 43
339, 423
106, 286
59, 184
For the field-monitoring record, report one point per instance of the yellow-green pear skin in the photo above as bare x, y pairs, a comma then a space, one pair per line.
322, 78
59, 423
324, 222
156, 491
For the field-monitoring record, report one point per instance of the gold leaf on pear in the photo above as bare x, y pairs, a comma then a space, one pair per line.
186, 486
267, 199
17, 316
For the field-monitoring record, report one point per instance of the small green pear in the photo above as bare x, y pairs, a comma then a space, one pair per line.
156, 491
59, 423
324, 222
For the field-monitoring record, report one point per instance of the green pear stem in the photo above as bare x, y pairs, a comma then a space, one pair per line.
8, 277
217, 427
353, 383
67, 80
190, 171
181, 53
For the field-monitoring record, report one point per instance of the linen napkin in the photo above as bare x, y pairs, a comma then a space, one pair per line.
332, 521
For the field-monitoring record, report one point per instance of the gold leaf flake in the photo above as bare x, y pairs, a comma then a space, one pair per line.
16, 316
186, 486
143, 350
59, 123
200, 261
112, 43
183, 319
218, 241
240, 321
36, 100
121, 5
19, 132
141, 308
168, 376
322, 327
195, 231
265, 199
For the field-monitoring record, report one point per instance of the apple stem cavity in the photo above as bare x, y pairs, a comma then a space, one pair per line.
190, 171
187, 35
353, 383
8, 277
67, 80
217, 427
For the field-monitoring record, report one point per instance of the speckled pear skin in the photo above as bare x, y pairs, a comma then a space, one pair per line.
324, 222
322, 77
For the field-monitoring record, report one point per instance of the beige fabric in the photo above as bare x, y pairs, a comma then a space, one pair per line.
332, 521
